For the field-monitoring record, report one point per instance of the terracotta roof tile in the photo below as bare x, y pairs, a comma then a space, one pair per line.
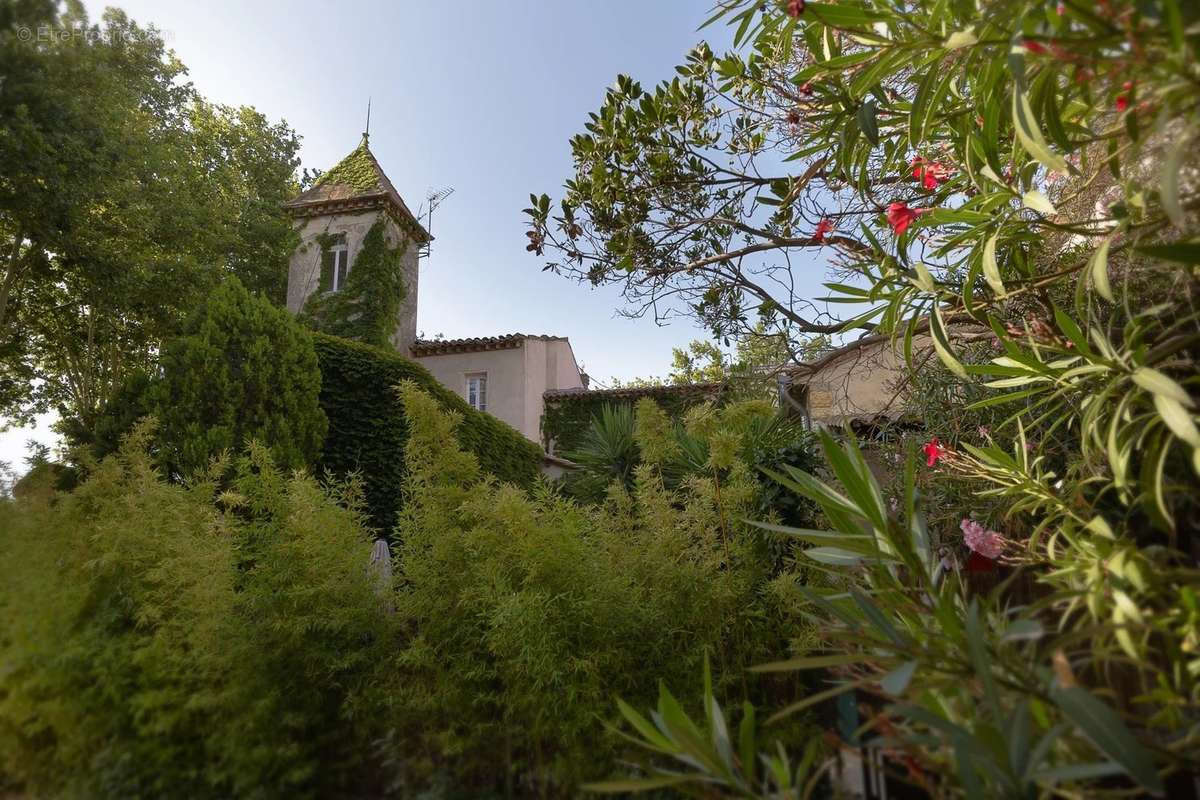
431, 347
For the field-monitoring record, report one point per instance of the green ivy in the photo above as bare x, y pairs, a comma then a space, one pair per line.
368, 430
367, 308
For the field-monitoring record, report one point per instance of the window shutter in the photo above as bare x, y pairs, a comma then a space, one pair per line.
327, 267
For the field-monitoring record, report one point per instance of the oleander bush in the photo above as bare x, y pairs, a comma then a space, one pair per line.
1017, 605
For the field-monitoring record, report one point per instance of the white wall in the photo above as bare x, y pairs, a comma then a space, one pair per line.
505, 380
517, 378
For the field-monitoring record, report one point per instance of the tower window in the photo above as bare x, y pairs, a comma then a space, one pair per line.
477, 390
340, 266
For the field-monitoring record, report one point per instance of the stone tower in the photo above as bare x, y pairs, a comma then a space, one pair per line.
333, 217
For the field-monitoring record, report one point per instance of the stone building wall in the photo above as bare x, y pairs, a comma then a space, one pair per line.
304, 269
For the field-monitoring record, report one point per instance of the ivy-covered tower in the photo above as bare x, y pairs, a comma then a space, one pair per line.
354, 272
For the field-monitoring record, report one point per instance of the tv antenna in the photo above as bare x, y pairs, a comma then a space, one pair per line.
432, 200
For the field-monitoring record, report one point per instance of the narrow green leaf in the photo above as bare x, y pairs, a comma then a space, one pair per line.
1098, 271
1030, 135
964, 38
1038, 202
1177, 419
1154, 381
1183, 252
651, 734
812, 700
640, 784
924, 279
1169, 186
896, 681
941, 344
746, 741
809, 662
833, 556
867, 121
1110, 735
991, 270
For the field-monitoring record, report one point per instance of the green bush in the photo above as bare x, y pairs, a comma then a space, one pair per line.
526, 613
368, 431
242, 369
1015, 183
161, 640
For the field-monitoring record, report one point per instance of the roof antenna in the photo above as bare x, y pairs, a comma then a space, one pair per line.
367, 132
434, 199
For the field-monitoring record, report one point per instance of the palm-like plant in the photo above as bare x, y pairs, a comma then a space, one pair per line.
607, 453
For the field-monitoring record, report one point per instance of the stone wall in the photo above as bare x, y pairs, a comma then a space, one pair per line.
304, 269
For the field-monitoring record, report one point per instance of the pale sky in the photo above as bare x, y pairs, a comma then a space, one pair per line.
479, 96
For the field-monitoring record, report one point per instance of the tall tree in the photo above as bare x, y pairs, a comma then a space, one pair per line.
242, 370
125, 198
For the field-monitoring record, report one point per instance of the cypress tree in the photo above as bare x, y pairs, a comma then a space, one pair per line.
242, 370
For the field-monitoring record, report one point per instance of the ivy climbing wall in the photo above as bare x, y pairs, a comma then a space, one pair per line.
379, 303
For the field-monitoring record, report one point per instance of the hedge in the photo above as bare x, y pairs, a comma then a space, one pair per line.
367, 428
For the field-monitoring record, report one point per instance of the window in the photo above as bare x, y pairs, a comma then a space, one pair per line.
339, 260
477, 390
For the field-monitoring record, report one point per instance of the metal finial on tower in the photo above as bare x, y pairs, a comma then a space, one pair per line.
367, 132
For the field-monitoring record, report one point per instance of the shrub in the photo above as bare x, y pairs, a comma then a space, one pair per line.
242, 369
708, 440
526, 612
606, 452
160, 641
1040, 164
368, 430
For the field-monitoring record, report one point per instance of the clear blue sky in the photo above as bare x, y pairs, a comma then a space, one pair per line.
480, 96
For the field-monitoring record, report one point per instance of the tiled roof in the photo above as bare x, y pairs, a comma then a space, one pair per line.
637, 392
431, 347
356, 180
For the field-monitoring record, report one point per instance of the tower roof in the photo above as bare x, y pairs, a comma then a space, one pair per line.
356, 182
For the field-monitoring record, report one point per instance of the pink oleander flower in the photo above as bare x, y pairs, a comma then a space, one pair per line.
1123, 100
823, 227
933, 451
979, 539
929, 173
900, 216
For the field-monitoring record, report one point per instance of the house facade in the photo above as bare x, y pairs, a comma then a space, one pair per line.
866, 381
506, 376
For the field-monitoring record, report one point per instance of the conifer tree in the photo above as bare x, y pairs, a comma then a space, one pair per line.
242, 370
